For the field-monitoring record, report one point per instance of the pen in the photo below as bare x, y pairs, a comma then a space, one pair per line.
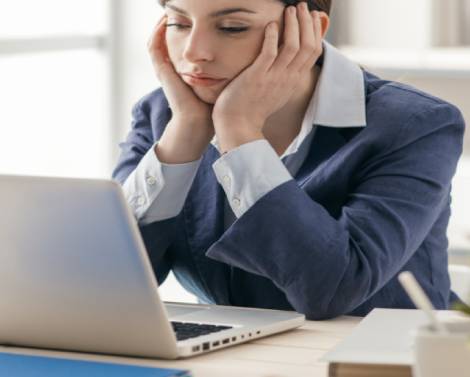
420, 299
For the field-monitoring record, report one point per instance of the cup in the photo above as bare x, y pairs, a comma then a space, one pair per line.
439, 354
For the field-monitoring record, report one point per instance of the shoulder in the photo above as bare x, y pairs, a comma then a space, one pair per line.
397, 110
154, 108
155, 100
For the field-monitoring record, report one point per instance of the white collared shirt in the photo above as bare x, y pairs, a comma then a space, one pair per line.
157, 191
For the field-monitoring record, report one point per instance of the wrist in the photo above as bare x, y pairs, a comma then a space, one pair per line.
191, 131
184, 141
230, 138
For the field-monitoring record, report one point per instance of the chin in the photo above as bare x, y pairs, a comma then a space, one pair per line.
206, 95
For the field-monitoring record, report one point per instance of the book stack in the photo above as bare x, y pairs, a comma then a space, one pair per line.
381, 345
368, 370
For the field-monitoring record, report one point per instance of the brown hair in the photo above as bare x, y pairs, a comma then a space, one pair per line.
321, 5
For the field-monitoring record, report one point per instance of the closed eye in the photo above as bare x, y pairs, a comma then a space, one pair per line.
228, 30
234, 29
177, 26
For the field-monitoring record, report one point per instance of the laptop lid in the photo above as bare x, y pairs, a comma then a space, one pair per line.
74, 273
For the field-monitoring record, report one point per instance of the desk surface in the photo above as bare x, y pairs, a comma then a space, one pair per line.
294, 353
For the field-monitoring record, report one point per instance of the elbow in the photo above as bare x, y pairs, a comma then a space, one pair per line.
317, 311
334, 299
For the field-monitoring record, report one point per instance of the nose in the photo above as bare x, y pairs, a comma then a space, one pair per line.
199, 46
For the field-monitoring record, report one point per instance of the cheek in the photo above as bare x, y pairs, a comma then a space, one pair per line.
174, 46
242, 54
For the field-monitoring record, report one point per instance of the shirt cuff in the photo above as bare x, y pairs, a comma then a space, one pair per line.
249, 172
157, 191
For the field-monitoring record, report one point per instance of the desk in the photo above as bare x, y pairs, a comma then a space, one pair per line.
292, 354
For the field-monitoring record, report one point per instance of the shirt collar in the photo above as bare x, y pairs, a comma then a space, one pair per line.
339, 98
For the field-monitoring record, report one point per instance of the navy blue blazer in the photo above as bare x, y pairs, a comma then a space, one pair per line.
366, 204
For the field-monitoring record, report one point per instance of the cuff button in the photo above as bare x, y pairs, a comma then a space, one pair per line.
236, 202
151, 181
140, 201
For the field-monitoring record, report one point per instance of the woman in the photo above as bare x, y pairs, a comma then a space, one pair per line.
270, 171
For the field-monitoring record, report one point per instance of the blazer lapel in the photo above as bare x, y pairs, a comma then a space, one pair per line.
326, 142
323, 166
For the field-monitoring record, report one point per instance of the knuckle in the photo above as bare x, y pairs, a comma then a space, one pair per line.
317, 50
309, 46
305, 56
291, 48
270, 54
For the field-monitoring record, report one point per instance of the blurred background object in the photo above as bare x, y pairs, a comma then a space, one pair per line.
424, 43
70, 72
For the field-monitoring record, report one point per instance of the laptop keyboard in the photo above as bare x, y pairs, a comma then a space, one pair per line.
187, 330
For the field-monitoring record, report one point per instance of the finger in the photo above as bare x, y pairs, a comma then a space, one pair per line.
159, 54
318, 46
161, 21
307, 38
157, 44
269, 51
291, 45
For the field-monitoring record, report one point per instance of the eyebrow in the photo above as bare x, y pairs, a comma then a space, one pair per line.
215, 14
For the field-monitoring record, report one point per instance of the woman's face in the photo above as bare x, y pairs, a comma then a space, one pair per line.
217, 38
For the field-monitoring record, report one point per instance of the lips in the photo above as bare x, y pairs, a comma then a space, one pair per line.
201, 76
201, 79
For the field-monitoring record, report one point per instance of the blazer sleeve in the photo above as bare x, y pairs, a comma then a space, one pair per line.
327, 266
149, 119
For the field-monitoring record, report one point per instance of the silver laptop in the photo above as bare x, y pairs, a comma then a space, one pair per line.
74, 275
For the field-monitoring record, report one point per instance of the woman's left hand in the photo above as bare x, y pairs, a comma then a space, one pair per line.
266, 85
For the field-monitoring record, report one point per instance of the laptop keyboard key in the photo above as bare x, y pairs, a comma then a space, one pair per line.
188, 330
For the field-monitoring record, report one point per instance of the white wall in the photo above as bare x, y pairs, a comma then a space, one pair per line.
136, 76
389, 24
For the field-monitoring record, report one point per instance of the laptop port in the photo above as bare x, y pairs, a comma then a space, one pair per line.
205, 346
196, 348
258, 332
226, 341
234, 338
215, 344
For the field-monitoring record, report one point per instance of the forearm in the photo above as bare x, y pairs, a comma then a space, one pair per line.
233, 133
184, 141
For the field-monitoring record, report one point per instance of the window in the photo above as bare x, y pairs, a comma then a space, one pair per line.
54, 93
68, 74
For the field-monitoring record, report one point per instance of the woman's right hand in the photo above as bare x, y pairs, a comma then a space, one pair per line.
183, 102
191, 127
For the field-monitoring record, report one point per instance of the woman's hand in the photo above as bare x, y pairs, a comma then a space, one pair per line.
182, 100
265, 86
191, 128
